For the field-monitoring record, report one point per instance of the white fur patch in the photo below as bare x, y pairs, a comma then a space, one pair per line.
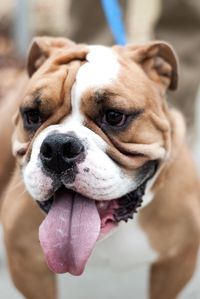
101, 69
149, 194
148, 197
37, 184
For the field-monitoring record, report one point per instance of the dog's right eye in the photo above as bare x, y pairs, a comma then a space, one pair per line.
114, 118
32, 119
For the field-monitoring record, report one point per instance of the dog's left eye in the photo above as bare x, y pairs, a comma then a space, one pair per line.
114, 118
32, 119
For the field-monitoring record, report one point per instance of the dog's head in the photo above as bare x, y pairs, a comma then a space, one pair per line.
91, 130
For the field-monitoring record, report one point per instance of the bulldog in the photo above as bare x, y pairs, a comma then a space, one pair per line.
95, 142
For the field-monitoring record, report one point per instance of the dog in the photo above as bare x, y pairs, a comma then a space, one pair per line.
95, 142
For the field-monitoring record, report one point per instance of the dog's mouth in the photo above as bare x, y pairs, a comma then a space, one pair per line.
74, 223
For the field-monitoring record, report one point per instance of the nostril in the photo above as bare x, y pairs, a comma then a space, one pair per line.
47, 151
71, 149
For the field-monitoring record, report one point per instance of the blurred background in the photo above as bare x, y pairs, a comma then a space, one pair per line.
176, 21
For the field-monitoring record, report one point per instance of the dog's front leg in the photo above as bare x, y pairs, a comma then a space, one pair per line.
170, 275
21, 218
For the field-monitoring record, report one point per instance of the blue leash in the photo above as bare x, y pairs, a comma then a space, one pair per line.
113, 13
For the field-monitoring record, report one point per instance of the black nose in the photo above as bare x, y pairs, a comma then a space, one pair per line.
60, 152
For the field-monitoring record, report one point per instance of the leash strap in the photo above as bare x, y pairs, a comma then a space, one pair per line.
113, 13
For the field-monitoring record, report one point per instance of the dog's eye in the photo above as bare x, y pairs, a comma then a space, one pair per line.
114, 118
32, 118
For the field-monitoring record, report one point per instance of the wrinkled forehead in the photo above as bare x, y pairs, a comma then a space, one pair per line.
102, 68
107, 69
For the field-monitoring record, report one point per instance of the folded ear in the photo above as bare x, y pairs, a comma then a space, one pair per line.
159, 61
41, 48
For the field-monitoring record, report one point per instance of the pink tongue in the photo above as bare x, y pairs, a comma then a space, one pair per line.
69, 232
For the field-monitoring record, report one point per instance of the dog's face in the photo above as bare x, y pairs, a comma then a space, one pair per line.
92, 129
